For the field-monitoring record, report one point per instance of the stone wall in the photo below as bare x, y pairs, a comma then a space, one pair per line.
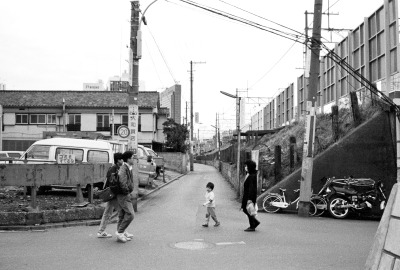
385, 252
175, 161
228, 171
366, 152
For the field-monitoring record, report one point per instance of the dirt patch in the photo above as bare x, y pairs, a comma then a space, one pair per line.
13, 200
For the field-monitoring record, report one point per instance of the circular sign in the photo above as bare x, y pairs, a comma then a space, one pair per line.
123, 131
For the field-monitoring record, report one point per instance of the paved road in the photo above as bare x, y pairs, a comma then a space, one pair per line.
168, 235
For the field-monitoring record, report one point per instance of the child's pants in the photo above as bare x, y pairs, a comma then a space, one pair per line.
211, 212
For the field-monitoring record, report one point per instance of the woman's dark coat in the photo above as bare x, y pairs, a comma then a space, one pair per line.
250, 189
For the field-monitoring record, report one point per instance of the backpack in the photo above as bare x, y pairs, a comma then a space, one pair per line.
113, 183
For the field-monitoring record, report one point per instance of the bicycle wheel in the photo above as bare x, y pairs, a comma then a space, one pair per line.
268, 207
320, 205
312, 210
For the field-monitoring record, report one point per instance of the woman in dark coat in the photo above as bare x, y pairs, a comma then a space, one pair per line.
250, 193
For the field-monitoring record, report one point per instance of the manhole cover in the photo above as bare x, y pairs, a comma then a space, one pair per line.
192, 245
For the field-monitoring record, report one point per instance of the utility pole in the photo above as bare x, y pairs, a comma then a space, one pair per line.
133, 91
219, 139
186, 114
308, 149
216, 131
191, 112
238, 134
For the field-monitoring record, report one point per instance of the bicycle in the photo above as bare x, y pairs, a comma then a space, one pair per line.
274, 202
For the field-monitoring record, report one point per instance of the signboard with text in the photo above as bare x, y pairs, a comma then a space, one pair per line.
66, 159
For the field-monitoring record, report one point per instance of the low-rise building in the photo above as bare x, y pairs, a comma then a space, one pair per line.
29, 116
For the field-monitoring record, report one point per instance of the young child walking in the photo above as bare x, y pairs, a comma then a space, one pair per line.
210, 204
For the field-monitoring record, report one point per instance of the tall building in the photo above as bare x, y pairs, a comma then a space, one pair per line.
99, 86
171, 98
117, 83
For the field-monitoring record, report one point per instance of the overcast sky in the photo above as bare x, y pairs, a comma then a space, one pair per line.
59, 45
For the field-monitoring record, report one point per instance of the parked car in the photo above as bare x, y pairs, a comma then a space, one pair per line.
10, 156
147, 167
159, 161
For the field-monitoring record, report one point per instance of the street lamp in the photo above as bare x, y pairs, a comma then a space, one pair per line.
237, 128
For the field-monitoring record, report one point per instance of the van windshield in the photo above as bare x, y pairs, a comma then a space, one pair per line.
39, 152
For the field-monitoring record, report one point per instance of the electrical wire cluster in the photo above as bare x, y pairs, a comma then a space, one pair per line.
299, 37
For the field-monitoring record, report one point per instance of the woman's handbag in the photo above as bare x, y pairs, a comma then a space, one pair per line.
251, 209
106, 195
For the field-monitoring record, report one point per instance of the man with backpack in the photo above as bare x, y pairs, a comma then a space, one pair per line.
112, 182
124, 197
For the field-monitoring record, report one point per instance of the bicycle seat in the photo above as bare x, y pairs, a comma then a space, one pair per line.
282, 189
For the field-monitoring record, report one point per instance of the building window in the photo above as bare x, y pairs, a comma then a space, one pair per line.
51, 119
103, 122
74, 119
124, 119
37, 119
21, 119
74, 122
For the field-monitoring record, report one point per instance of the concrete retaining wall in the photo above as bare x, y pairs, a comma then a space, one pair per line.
175, 161
228, 171
367, 152
385, 252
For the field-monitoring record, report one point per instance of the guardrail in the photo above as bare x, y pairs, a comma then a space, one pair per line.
36, 175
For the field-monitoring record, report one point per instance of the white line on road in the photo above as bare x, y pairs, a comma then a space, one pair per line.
230, 243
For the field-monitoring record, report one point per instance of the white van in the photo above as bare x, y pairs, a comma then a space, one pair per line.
56, 150
84, 151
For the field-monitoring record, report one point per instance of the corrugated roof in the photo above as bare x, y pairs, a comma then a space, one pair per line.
108, 99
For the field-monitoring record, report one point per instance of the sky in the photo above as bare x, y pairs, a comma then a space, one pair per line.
59, 45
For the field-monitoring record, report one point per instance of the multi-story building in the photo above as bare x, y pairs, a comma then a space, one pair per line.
171, 99
119, 83
257, 121
371, 49
2, 86
28, 115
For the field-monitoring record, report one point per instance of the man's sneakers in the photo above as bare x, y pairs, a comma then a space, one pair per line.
249, 229
121, 237
103, 235
128, 236
215, 225
124, 237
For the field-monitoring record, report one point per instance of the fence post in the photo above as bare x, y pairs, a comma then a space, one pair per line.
33, 197
278, 163
292, 141
355, 108
79, 195
335, 122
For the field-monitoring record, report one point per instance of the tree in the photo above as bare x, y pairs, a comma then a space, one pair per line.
176, 136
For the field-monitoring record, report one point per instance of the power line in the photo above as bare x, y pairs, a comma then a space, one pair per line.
289, 36
162, 56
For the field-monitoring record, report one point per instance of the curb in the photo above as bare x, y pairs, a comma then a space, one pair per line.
159, 187
89, 222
